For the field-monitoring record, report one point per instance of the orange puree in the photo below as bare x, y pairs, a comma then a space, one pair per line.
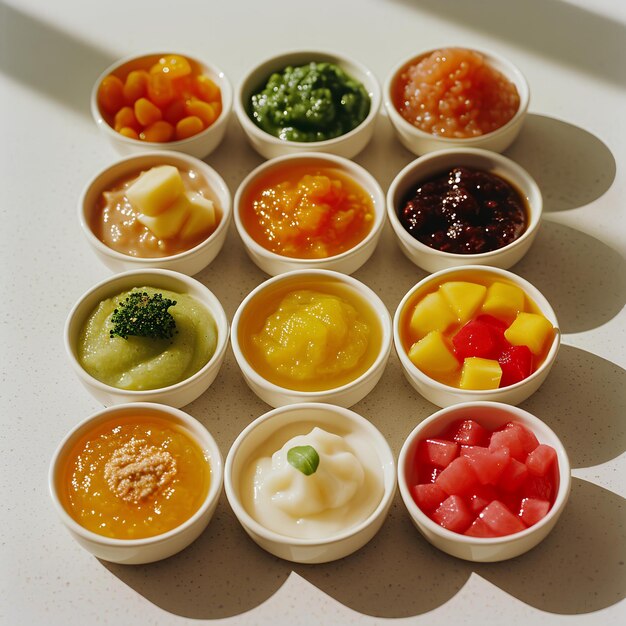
307, 211
134, 476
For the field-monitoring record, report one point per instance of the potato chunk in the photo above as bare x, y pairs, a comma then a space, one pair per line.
201, 218
529, 329
168, 223
155, 190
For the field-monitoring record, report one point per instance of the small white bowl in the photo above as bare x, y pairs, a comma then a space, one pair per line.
445, 395
491, 415
268, 146
420, 142
177, 395
150, 549
347, 262
431, 165
283, 424
345, 395
200, 145
188, 262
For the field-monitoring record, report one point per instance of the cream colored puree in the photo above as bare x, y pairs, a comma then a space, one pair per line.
115, 223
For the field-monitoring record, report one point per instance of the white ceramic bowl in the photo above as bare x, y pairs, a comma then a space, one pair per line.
491, 415
346, 262
431, 165
188, 262
200, 145
347, 145
283, 424
420, 142
344, 395
445, 395
176, 395
147, 550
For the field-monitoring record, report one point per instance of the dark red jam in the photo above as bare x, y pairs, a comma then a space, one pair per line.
465, 211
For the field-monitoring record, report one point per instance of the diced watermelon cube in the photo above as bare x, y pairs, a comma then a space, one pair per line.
541, 460
510, 438
453, 514
478, 528
516, 363
500, 520
487, 465
526, 436
469, 433
480, 497
438, 452
513, 476
428, 496
532, 510
458, 478
541, 487
477, 339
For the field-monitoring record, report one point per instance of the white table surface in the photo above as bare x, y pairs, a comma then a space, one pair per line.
574, 143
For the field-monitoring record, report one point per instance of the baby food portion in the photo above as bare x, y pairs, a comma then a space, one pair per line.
156, 213
455, 93
481, 333
159, 99
134, 476
465, 211
146, 338
316, 337
307, 211
311, 102
485, 483
316, 485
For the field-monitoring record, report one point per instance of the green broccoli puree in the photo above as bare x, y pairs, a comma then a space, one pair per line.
311, 102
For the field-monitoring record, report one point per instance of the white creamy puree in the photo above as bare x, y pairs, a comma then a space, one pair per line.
343, 491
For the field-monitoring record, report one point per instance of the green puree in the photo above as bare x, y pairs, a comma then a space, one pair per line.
312, 102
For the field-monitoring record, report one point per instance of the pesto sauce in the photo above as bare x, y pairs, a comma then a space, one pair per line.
311, 102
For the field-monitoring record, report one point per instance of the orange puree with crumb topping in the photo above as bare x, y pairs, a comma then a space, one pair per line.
307, 211
134, 476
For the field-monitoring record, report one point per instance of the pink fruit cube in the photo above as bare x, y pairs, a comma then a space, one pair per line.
541, 487
510, 438
541, 460
469, 433
480, 497
513, 476
487, 465
532, 510
478, 528
458, 478
500, 520
453, 514
428, 496
438, 452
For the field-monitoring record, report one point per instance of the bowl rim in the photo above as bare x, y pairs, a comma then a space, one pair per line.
511, 71
348, 167
410, 172
349, 416
324, 55
367, 294
169, 414
529, 289
224, 84
167, 156
216, 312
515, 414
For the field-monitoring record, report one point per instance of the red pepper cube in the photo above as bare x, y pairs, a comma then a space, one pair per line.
458, 478
438, 452
469, 433
532, 510
500, 519
516, 363
541, 460
487, 465
513, 476
453, 514
428, 496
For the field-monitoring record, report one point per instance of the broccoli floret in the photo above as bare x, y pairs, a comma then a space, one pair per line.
142, 315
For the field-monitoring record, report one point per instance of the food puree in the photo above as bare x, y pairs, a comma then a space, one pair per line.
307, 211
139, 363
134, 476
313, 338
344, 489
312, 102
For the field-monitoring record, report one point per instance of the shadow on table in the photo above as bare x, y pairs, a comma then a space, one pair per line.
48, 59
577, 569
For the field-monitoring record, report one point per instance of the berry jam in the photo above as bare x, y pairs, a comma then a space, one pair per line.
465, 211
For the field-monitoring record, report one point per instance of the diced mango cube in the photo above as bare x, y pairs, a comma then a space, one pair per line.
201, 218
433, 355
431, 313
480, 373
463, 297
155, 190
168, 223
529, 329
503, 300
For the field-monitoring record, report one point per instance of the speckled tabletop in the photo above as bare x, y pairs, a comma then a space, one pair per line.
573, 143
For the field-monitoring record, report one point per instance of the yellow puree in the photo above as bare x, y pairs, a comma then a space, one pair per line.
133, 477
313, 340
